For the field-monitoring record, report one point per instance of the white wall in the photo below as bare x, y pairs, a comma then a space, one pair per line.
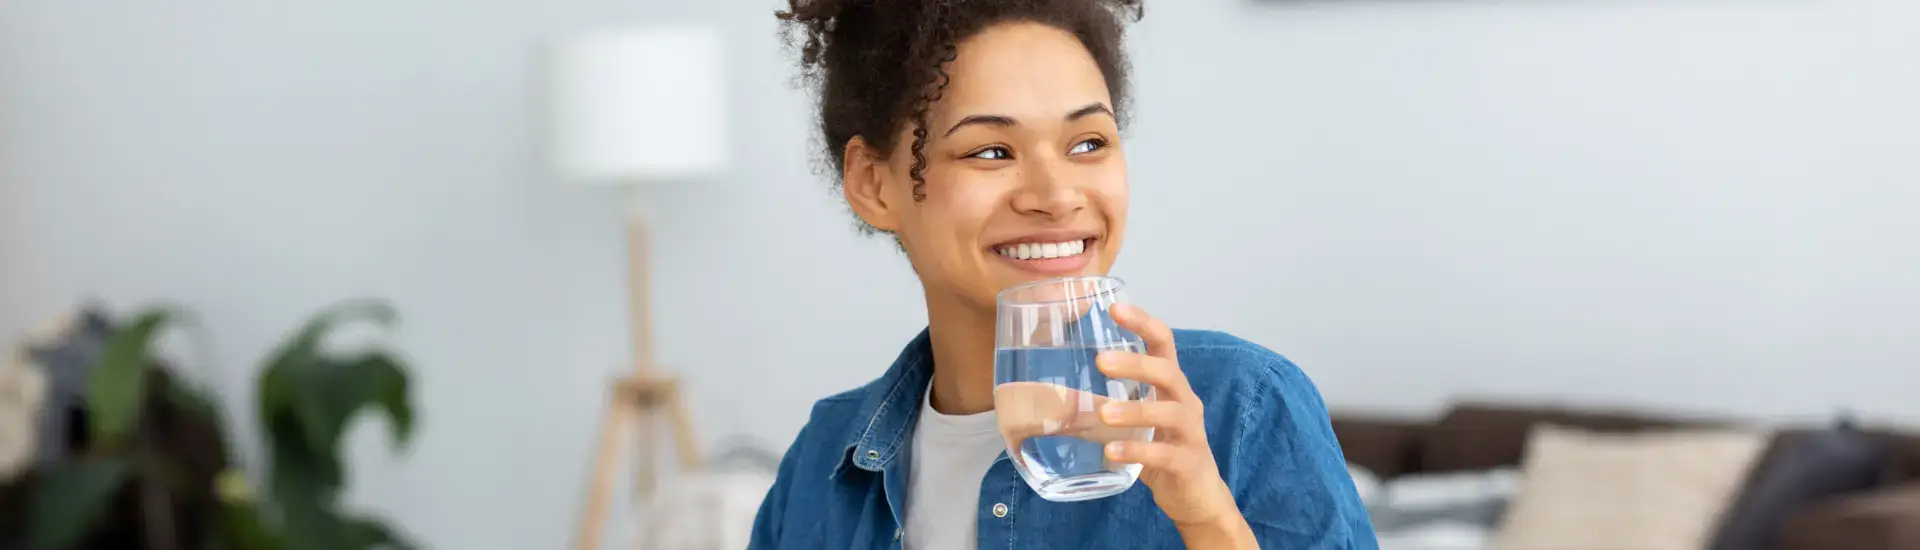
1626, 201
1696, 205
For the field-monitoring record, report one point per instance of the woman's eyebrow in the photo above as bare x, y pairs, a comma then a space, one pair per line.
1095, 108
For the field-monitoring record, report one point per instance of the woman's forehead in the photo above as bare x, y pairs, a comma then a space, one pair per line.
1021, 70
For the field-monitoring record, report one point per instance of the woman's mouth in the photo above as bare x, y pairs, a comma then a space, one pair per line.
1061, 258
1041, 251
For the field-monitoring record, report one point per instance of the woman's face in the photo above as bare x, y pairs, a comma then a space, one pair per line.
1025, 179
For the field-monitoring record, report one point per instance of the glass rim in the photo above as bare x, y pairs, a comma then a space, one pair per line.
1117, 284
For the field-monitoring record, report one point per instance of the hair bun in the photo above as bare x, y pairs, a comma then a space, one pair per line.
819, 11
809, 24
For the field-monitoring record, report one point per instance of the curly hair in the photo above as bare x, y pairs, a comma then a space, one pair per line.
876, 66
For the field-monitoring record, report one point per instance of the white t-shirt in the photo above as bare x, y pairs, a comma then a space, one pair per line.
951, 456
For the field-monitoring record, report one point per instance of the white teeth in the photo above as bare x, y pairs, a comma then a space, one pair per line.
1031, 251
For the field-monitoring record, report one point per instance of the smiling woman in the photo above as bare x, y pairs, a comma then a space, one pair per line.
1026, 155
983, 136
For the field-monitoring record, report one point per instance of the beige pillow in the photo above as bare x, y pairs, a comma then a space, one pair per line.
1661, 490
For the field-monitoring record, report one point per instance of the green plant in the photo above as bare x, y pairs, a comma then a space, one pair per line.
307, 397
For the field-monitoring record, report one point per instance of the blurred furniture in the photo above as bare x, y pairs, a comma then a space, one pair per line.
713, 509
1812, 487
635, 108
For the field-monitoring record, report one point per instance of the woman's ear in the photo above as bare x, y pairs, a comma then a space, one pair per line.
864, 182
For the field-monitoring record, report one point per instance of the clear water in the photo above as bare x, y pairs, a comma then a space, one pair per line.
1059, 390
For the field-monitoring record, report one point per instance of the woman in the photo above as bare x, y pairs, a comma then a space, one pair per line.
963, 129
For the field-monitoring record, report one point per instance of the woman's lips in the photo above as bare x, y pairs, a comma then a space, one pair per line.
1048, 258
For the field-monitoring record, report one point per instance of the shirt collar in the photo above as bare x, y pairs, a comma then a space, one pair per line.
890, 409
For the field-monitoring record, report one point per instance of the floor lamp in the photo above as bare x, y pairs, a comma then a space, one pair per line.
638, 108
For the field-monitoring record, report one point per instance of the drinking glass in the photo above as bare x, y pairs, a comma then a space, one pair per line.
1048, 391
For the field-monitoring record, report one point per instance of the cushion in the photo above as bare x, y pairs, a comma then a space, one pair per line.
1365, 483
1385, 447
1652, 490
1447, 511
1803, 468
1904, 466
1463, 498
1479, 436
1879, 519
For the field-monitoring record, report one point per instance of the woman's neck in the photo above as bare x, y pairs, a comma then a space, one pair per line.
962, 356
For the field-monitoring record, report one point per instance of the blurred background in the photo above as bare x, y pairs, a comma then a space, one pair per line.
1701, 208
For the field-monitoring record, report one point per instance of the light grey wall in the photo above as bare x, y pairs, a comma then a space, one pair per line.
257, 162
1696, 205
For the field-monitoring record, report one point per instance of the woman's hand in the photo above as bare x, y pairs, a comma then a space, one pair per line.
1178, 464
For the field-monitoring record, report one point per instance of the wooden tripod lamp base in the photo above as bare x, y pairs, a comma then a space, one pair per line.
637, 404
642, 400
638, 107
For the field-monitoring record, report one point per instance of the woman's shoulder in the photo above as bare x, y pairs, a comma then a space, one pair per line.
1224, 368
837, 421
1265, 416
834, 416
1211, 353
1198, 339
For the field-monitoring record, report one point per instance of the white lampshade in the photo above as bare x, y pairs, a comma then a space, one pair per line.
639, 105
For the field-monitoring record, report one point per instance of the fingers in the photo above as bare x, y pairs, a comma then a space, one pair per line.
1159, 338
1027, 409
1174, 419
1159, 372
1171, 458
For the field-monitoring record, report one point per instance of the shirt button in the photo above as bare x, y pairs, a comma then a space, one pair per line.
873, 455
1000, 510
898, 532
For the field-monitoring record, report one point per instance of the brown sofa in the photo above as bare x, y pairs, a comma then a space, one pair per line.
1483, 435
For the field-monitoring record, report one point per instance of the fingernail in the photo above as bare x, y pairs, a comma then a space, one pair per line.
1111, 411
1115, 450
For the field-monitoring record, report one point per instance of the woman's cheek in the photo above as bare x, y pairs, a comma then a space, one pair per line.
1114, 186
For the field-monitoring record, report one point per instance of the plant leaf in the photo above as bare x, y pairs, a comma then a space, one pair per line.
306, 343
307, 401
70, 500
197, 403
312, 526
243, 529
364, 533
298, 368
378, 380
300, 475
316, 408
309, 427
303, 399
117, 386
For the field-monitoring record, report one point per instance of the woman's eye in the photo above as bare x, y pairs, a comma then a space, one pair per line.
1087, 146
992, 153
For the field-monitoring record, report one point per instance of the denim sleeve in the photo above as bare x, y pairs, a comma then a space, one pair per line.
1288, 473
772, 515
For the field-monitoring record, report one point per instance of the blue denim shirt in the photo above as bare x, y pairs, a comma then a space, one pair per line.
842, 485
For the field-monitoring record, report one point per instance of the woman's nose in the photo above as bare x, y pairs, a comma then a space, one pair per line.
1047, 190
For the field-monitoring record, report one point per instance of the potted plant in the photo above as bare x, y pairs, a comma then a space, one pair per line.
131, 466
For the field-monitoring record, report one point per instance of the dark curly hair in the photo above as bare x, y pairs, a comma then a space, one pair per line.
877, 65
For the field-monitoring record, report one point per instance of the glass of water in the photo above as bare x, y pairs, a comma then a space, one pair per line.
1048, 391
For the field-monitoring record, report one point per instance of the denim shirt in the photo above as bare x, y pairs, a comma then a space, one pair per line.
842, 485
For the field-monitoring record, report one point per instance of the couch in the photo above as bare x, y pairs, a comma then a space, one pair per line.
1871, 510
